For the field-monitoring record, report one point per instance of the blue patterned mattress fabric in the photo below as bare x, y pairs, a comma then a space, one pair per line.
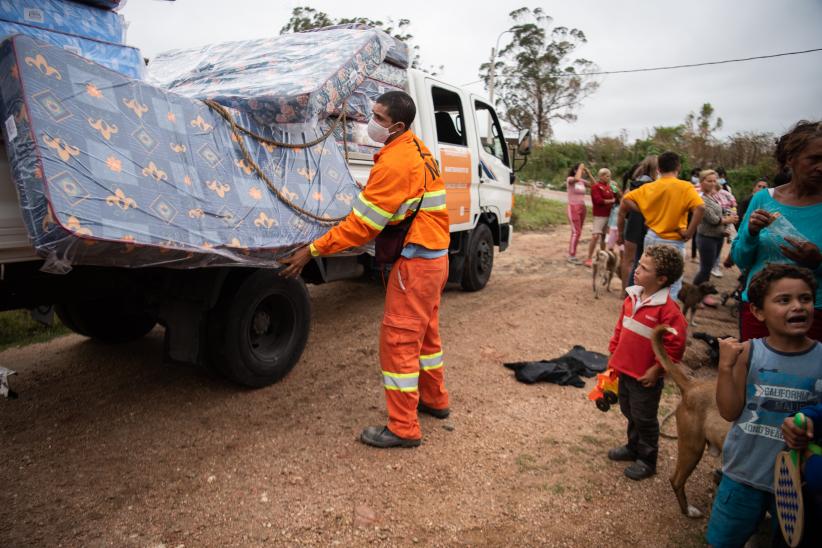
293, 78
123, 59
112, 171
65, 17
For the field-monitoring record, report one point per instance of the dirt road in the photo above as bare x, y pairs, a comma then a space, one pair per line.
108, 446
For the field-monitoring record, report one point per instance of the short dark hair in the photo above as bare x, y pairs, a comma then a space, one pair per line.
761, 282
668, 262
668, 162
721, 171
400, 107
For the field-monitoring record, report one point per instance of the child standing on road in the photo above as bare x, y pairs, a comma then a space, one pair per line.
602, 199
760, 382
640, 375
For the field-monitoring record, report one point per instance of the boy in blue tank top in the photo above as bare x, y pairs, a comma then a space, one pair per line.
760, 382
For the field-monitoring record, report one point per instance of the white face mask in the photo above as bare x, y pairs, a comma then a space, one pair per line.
378, 133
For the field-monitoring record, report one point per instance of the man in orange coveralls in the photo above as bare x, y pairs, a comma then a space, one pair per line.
410, 347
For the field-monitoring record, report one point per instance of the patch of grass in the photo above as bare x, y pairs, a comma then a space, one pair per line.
17, 328
556, 488
534, 213
527, 463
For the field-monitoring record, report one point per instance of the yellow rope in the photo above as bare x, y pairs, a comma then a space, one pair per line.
238, 129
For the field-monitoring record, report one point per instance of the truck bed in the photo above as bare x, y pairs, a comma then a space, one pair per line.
14, 241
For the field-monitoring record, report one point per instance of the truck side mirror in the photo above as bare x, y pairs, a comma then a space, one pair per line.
524, 142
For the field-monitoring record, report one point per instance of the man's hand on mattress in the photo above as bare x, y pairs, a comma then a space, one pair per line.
295, 262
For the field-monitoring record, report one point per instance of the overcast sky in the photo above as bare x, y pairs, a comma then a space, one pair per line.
764, 95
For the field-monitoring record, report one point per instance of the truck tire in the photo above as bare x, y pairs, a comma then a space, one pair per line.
258, 330
105, 320
479, 259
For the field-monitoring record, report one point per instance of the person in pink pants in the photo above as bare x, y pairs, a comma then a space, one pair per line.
576, 186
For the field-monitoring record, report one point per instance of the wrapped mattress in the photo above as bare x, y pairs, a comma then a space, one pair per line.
112, 171
293, 78
385, 78
123, 59
65, 17
397, 53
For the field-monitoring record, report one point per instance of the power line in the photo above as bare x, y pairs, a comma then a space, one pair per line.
671, 67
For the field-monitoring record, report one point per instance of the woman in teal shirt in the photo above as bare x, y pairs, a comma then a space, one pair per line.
784, 224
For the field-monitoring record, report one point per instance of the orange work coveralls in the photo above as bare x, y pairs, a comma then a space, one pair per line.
410, 347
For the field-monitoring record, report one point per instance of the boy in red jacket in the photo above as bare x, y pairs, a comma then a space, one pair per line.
640, 375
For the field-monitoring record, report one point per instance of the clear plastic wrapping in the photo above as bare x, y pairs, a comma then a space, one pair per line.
293, 78
776, 235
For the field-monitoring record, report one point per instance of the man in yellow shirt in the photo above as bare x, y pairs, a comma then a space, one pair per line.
665, 204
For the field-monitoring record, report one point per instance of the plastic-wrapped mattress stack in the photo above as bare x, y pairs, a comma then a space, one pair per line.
88, 28
116, 171
390, 75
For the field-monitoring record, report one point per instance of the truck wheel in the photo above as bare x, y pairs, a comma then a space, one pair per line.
610, 397
479, 259
603, 405
258, 332
105, 320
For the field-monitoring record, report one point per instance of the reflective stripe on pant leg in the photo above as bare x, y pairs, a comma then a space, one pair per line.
431, 361
432, 364
403, 382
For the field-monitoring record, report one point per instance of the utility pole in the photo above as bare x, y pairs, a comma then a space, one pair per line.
492, 73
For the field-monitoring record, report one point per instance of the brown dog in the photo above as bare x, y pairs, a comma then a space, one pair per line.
698, 421
607, 264
691, 295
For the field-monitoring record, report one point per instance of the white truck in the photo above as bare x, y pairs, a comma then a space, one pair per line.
248, 323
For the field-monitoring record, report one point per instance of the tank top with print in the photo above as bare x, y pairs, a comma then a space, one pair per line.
778, 385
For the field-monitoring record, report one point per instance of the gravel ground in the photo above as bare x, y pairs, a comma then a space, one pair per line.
107, 446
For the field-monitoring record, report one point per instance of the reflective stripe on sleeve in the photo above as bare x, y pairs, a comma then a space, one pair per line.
373, 215
636, 327
431, 361
408, 204
433, 201
404, 382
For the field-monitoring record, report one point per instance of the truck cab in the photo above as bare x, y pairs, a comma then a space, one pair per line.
464, 134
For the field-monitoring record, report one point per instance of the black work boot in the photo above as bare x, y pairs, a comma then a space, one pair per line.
639, 471
621, 454
438, 413
381, 436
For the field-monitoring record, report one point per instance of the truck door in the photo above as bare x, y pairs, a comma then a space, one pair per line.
455, 156
494, 162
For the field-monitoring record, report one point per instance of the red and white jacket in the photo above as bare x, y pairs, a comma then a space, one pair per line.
630, 347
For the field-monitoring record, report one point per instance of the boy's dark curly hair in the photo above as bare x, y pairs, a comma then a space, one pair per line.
668, 262
761, 282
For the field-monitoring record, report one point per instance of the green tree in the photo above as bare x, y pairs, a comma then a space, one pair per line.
305, 18
537, 79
